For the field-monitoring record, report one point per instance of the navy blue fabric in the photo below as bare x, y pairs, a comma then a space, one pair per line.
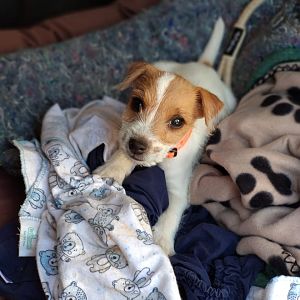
95, 157
148, 187
206, 264
22, 271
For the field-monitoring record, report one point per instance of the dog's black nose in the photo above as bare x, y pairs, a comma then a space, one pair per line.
137, 146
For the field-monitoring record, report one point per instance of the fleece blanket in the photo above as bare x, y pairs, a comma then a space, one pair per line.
250, 178
89, 238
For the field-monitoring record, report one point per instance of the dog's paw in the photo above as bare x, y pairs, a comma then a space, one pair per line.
117, 167
111, 170
164, 240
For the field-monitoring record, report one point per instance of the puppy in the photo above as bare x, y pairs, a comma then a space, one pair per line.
171, 111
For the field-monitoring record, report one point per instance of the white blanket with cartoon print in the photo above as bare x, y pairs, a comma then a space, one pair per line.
91, 241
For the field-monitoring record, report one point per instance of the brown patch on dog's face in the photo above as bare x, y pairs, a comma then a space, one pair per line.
179, 105
142, 78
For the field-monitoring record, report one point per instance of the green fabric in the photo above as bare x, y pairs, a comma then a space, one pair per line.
278, 57
264, 277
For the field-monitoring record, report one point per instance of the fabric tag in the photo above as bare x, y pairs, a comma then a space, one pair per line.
28, 236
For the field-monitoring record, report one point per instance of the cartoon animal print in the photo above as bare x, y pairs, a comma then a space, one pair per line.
73, 292
36, 198
79, 185
113, 257
23, 212
118, 187
114, 184
100, 231
46, 290
105, 215
48, 259
58, 202
79, 170
55, 180
145, 237
56, 154
102, 220
156, 295
70, 247
132, 288
73, 217
140, 212
294, 292
100, 193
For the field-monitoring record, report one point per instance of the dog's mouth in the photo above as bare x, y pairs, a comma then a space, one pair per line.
142, 161
135, 157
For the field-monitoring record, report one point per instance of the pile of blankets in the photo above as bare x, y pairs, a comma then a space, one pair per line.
90, 239
249, 179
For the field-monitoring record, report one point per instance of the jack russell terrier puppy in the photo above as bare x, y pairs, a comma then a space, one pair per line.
171, 111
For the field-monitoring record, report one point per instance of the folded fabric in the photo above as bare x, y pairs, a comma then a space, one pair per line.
206, 264
88, 236
53, 219
249, 180
19, 275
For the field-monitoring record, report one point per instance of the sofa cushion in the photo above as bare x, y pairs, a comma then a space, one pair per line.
76, 71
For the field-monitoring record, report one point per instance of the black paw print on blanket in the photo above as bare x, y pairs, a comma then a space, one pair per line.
285, 108
247, 182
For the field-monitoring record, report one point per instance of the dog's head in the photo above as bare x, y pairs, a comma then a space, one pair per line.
161, 111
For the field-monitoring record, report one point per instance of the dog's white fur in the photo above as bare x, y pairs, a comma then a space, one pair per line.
178, 170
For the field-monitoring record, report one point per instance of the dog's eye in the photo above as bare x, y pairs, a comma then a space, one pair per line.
137, 104
177, 122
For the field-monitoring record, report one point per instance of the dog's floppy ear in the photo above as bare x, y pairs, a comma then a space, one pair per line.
208, 103
134, 71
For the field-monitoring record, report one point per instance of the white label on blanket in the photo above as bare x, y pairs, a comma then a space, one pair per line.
28, 236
